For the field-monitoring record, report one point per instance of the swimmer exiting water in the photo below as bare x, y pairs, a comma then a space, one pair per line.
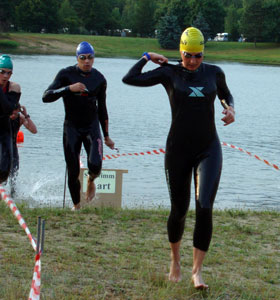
83, 90
192, 146
10, 93
18, 118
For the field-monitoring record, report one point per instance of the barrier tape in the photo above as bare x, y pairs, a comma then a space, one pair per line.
252, 155
17, 214
36, 282
159, 151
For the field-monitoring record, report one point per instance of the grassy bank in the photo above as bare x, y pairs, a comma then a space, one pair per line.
108, 46
124, 254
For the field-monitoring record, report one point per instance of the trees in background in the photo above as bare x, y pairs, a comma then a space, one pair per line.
252, 21
202, 24
68, 18
212, 11
258, 20
232, 22
37, 15
169, 32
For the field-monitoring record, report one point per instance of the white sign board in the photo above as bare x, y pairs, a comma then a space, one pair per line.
105, 183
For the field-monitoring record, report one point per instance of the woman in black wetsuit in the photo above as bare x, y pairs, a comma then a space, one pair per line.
18, 118
9, 97
83, 90
192, 145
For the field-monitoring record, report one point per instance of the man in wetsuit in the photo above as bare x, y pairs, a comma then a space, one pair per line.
9, 98
18, 118
83, 90
192, 145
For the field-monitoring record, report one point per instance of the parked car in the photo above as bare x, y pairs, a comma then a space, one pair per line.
221, 37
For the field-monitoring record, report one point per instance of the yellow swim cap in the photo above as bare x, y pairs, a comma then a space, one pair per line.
192, 40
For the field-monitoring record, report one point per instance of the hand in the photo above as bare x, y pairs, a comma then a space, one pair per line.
229, 115
77, 87
109, 142
157, 58
23, 110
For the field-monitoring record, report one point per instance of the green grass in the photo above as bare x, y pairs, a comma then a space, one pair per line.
109, 46
124, 254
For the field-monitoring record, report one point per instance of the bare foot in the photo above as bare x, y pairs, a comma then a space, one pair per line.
90, 193
198, 281
76, 207
175, 272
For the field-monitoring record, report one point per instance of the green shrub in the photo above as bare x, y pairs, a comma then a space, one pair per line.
8, 44
169, 32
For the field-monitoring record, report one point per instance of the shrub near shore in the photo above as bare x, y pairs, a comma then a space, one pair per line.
124, 254
109, 46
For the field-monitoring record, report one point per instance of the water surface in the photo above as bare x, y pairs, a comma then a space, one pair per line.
139, 121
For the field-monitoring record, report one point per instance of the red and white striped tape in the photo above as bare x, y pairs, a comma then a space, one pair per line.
36, 282
252, 155
159, 151
8, 200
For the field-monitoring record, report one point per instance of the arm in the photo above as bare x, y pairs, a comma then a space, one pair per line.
103, 115
26, 121
137, 78
9, 102
57, 89
223, 90
224, 93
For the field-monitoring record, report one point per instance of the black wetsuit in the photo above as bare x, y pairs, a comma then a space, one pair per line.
15, 125
8, 103
83, 113
192, 143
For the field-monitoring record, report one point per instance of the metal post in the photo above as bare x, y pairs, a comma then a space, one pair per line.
40, 236
43, 236
64, 187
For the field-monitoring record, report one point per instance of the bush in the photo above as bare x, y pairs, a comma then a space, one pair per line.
8, 44
169, 32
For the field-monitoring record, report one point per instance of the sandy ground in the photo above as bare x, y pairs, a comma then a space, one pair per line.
45, 46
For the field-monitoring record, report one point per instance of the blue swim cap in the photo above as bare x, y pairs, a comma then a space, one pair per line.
6, 62
84, 48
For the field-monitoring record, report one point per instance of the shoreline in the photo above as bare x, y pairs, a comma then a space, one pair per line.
132, 47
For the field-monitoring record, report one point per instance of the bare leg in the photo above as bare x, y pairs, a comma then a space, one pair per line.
91, 189
175, 268
198, 257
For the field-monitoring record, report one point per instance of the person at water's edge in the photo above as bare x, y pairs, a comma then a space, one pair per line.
10, 93
192, 145
83, 90
18, 118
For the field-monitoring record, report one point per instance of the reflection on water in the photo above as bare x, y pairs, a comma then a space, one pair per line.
139, 121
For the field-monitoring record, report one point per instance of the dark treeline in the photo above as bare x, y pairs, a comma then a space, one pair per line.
257, 20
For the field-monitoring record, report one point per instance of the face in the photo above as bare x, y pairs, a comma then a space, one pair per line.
85, 62
15, 114
191, 60
5, 75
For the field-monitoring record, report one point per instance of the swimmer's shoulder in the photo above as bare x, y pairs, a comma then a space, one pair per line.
14, 87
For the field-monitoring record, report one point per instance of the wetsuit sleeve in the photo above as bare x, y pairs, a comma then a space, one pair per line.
222, 88
58, 88
102, 109
9, 102
137, 78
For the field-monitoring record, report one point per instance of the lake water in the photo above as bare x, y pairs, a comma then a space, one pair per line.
139, 121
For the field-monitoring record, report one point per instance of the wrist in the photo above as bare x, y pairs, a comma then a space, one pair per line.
146, 55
